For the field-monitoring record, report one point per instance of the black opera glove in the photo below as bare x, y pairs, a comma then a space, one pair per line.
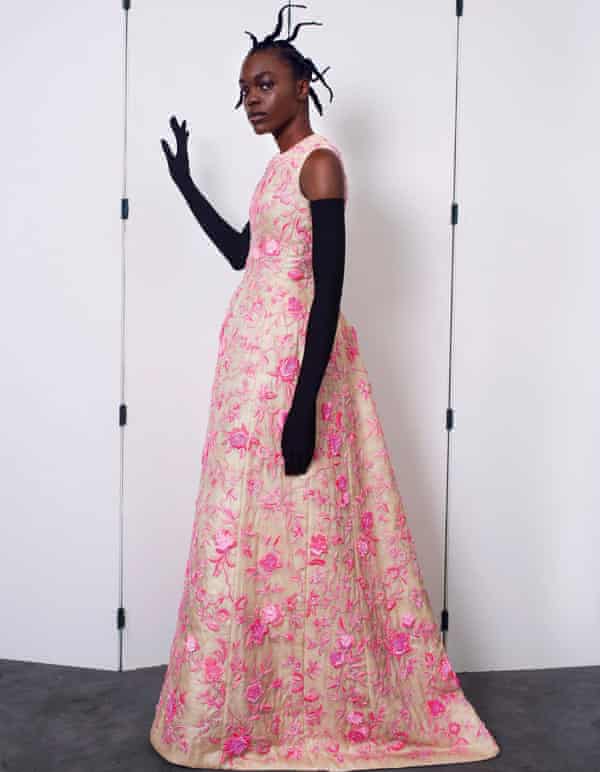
328, 256
232, 244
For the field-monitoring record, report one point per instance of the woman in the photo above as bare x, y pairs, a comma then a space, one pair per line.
305, 637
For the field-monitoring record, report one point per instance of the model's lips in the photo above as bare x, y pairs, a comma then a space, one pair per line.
257, 117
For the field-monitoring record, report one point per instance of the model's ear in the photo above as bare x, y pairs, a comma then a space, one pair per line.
303, 88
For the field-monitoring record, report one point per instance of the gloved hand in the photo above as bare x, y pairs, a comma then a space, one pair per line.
233, 244
328, 257
298, 437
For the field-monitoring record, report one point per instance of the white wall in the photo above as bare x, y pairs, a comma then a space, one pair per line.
59, 332
523, 495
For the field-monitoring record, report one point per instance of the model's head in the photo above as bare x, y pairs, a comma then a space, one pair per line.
275, 78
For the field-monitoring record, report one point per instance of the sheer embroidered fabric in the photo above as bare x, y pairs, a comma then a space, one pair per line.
305, 638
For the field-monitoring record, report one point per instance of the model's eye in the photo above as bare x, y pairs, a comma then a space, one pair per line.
267, 83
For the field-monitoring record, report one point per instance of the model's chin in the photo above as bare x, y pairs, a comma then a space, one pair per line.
260, 126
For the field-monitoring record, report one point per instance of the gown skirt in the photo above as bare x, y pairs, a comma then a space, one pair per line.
305, 638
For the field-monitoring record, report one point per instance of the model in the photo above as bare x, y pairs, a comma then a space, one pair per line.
305, 638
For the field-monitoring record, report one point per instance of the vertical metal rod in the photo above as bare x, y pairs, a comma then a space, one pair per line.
450, 410
123, 412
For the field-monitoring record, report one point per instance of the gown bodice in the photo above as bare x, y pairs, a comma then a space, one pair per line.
280, 219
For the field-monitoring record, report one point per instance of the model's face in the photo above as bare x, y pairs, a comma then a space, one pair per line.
267, 87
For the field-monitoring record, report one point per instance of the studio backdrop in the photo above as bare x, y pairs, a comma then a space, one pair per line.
523, 525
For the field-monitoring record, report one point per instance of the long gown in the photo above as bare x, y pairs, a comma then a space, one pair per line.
305, 638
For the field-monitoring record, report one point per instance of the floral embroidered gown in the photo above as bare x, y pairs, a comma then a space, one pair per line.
305, 638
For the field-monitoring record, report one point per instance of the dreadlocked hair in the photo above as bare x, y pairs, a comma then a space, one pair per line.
302, 67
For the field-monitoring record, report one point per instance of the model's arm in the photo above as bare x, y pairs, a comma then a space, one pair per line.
323, 178
233, 244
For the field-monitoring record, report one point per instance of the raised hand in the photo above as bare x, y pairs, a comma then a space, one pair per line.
233, 244
178, 162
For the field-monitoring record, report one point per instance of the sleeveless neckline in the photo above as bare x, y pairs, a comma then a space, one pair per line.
297, 144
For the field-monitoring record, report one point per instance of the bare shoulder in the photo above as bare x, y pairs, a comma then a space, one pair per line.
322, 175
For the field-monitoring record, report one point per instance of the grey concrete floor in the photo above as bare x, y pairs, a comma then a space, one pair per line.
66, 719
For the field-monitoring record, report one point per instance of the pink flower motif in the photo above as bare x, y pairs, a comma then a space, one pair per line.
408, 620
398, 643
270, 246
326, 411
257, 305
238, 438
366, 521
271, 614
296, 274
359, 734
341, 482
351, 343
224, 540
363, 547
171, 706
277, 683
346, 641
212, 670
313, 715
337, 658
256, 632
287, 368
334, 443
311, 695
355, 717
254, 692
253, 486
295, 307
266, 392
365, 388
454, 728
297, 682
191, 644
436, 707
270, 562
318, 544
237, 743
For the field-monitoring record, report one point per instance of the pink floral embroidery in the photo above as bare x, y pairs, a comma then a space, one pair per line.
237, 744
238, 438
288, 367
254, 692
271, 614
304, 634
296, 274
224, 540
191, 644
257, 632
270, 562
398, 643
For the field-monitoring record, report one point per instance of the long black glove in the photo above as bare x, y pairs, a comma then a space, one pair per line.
328, 257
232, 244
